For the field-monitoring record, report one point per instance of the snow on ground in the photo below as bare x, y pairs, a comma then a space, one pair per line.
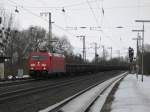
132, 95
102, 98
81, 103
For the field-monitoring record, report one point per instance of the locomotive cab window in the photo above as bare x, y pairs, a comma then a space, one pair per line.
39, 57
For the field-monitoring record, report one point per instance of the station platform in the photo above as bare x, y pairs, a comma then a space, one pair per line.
132, 95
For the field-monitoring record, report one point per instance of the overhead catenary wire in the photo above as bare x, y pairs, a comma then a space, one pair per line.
59, 27
27, 10
99, 9
97, 23
84, 2
76, 5
61, 8
56, 7
70, 9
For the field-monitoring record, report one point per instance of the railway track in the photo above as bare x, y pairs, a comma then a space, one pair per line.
48, 92
79, 101
12, 93
14, 82
27, 84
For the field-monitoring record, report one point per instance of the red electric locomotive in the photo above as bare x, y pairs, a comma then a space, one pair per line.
43, 64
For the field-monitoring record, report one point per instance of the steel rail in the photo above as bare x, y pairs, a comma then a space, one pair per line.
58, 107
17, 93
15, 82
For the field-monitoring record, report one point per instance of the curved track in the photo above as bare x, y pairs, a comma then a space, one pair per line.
36, 95
7, 94
77, 101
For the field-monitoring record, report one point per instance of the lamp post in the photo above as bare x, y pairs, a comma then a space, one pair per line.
142, 21
137, 46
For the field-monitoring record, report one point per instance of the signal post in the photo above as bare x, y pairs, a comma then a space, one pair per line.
1, 52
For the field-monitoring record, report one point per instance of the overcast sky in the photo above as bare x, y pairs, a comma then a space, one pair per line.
106, 14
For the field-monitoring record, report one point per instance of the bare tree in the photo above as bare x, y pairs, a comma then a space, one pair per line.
62, 45
7, 20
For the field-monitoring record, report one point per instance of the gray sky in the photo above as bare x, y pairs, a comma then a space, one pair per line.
86, 13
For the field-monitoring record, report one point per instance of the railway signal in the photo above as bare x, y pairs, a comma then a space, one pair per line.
0, 20
131, 54
131, 57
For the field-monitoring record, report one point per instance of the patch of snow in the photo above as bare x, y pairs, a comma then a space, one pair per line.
132, 95
97, 106
81, 103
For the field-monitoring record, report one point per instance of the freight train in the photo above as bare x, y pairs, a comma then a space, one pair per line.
41, 64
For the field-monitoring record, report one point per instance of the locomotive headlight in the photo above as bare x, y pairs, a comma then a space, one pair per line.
43, 65
32, 65
32, 68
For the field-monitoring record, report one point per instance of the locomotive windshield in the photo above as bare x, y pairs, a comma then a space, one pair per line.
37, 57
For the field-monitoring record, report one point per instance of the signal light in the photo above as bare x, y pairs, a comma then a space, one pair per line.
0, 20
32, 65
131, 54
43, 65
32, 68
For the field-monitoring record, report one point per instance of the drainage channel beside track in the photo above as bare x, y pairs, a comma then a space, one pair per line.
84, 100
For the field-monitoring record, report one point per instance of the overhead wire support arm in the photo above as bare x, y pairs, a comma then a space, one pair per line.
142, 21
